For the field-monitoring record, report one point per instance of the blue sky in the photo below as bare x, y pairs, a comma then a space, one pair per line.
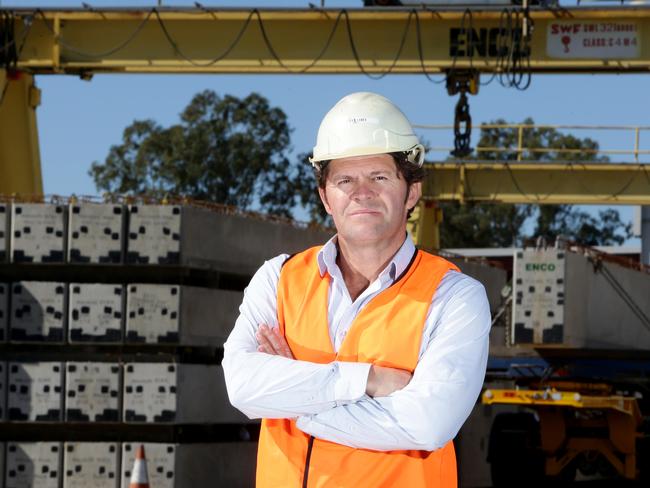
79, 120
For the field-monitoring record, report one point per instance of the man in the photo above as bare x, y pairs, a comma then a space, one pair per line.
363, 357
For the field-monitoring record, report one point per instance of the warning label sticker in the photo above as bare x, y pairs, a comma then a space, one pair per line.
593, 40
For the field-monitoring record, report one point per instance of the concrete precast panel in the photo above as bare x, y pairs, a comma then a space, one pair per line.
2, 461
492, 278
207, 239
35, 391
95, 313
95, 233
161, 463
610, 301
175, 314
3, 393
33, 465
4, 311
152, 313
538, 292
4, 232
91, 465
177, 393
579, 300
37, 233
645, 235
38, 311
93, 392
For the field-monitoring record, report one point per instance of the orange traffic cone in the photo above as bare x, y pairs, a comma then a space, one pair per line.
139, 477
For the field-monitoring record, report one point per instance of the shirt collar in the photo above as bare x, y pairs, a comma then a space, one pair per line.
400, 261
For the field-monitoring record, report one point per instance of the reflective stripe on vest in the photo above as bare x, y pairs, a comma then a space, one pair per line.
386, 332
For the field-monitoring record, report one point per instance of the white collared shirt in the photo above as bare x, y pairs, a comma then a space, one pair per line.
329, 400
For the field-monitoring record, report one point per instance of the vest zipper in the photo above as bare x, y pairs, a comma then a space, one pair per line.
305, 476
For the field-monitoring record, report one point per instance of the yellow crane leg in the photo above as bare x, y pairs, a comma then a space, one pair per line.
20, 162
424, 225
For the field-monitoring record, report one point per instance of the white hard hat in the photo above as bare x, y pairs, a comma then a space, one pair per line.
362, 124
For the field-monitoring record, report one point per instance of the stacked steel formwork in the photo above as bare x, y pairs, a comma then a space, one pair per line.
112, 323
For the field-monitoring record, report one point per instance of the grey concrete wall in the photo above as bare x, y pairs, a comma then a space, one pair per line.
91, 465
596, 316
472, 442
33, 465
237, 244
202, 396
231, 465
579, 273
4, 232
494, 279
208, 316
645, 235
177, 393
175, 314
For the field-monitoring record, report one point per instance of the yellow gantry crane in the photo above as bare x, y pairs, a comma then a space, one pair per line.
457, 43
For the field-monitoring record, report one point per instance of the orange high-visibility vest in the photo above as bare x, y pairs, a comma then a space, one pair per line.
387, 332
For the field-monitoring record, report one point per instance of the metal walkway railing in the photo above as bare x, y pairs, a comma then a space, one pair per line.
629, 136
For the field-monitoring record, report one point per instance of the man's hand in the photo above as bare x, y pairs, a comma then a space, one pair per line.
272, 342
384, 381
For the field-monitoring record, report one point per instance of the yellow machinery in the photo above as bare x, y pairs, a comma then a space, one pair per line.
569, 413
327, 41
20, 163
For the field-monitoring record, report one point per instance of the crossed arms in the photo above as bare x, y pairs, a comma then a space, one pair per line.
343, 402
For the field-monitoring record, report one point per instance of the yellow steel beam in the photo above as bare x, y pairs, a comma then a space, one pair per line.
20, 164
327, 41
424, 225
543, 183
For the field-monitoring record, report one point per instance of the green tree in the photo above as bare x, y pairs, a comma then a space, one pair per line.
224, 149
502, 225
306, 188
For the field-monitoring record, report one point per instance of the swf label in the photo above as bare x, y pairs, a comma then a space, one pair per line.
593, 40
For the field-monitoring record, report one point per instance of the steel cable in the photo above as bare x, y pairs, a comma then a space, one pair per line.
7, 37
356, 54
10, 61
625, 186
470, 48
103, 54
510, 64
8, 54
640, 168
526, 195
513, 49
212, 61
418, 32
269, 46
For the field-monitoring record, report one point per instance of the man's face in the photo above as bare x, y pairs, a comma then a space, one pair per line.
368, 198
